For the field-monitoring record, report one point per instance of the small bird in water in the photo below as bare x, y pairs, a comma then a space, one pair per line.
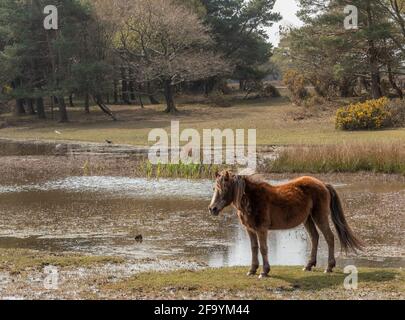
109, 141
139, 238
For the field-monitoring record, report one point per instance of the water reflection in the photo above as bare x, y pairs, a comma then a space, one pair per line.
285, 248
102, 215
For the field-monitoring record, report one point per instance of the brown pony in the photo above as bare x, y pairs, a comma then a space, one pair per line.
262, 207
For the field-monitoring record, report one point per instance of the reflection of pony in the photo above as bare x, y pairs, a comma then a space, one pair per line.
262, 207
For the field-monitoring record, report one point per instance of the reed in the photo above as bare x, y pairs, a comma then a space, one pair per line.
353, 157
181, 170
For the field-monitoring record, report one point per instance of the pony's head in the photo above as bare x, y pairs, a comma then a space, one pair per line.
229, 189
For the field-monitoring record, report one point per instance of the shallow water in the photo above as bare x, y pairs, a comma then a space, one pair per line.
103, 215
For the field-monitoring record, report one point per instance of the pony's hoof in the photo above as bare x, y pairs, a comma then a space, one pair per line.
328, 271
307, 269
251, 273
263, 276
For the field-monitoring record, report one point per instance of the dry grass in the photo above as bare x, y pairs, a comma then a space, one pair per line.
382, 158
274, 120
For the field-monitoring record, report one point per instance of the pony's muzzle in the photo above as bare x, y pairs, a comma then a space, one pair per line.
213, 210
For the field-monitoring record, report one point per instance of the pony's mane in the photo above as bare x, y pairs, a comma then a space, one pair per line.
256, 178
241, 201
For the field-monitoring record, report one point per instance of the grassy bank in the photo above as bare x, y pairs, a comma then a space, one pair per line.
284, 283
277, 121
380, 158
92, 277
15, 261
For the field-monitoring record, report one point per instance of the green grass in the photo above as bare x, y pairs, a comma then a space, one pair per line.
182, 170
273, 119
19, 260
353, 157
284, 283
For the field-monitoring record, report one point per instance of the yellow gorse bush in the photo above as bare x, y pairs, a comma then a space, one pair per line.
368, 115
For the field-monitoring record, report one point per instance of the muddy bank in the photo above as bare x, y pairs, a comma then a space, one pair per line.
25, 274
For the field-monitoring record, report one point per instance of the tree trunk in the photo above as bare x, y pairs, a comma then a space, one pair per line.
86, 103
242, 85
115, 92
393, 83
19, 107
125, 95
376, 91
71, 104
168, 90
40, 108
131, 86
99, 101
30, 105
63, 116
152, 99
141, 102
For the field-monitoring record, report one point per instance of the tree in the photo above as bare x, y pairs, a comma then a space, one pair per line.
333, 58
165, 42
52, 63
239, 30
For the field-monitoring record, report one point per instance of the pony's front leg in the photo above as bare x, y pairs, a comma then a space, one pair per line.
254, 244
262, 235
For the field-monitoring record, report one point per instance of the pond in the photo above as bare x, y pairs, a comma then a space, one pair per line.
104, 215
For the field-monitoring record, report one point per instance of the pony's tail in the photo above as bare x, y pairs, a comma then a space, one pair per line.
346, 236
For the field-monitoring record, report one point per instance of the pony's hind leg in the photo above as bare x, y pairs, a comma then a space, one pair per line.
314, 235
322, 221
254, 244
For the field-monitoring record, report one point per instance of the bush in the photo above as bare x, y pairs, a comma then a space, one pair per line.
396, 108
314, 101
368, 115
269, 91
295, 83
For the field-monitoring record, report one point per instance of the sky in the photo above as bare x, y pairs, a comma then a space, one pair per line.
288, 10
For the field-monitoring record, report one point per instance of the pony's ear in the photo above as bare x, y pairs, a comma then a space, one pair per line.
217, 174
226, 176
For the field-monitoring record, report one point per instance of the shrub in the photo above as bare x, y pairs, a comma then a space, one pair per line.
270, 91
295, 83
368, 115
396, 108
313, 101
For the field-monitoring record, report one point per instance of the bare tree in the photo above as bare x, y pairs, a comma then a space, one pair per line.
396, 11
165, 42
